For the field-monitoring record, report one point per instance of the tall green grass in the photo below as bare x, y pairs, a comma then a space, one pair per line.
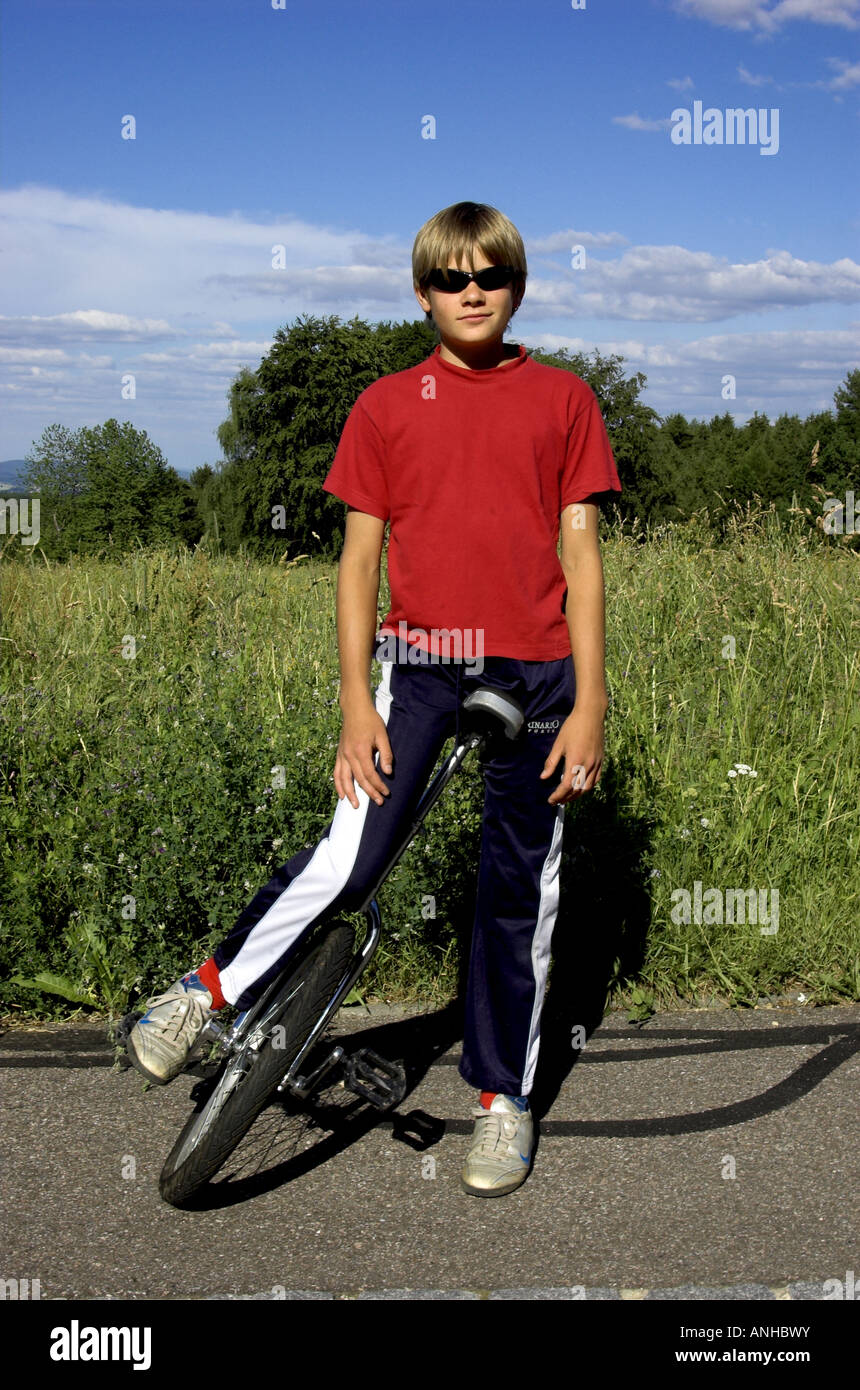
741, 653
148, 796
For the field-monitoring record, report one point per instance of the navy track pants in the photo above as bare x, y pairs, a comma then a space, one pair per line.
518, 875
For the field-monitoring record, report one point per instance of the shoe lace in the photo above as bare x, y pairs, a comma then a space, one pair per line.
183, 1010
492, 1129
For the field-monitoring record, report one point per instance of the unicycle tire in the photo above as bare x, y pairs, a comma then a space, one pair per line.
246, 1080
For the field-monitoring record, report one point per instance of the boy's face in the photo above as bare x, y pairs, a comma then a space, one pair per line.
472, 316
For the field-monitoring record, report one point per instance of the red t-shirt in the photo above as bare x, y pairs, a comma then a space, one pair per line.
472, 469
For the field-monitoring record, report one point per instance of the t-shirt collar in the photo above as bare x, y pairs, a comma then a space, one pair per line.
511, 364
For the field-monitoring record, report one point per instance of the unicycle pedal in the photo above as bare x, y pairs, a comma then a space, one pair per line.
377, 1080
125, 1025
119, 1038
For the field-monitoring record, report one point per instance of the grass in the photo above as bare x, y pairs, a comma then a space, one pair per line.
168, 731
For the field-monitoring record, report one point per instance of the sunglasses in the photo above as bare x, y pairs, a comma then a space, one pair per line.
494, 277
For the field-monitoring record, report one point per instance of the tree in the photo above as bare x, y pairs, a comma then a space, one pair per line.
237, 435
844, 452
630, 424
285, 422
846, 398
132, 498
56, 467
199, 477
404, 345
104, 486
56, 471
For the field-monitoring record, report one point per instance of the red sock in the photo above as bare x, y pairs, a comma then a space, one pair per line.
208, 975
487, 1098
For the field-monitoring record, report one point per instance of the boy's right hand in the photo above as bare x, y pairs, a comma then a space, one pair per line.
363, 734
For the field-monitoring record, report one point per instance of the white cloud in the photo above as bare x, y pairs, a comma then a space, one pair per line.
64, 246
849, 75
749, 351
843, 13
637, 122
215, 353
751, 78
674, 284
563, 241
792, 373
320, 285
37, 355
82, 324
770, 15
97, 289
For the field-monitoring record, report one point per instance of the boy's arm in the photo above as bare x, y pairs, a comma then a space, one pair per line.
363, 732
580, 738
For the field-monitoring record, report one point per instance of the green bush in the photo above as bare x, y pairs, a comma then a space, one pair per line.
150, 786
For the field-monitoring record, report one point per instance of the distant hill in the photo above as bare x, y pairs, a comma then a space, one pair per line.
11, 471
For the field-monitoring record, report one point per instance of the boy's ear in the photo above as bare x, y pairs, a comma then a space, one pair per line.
422, 299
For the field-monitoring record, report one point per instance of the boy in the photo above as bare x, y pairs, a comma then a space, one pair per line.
475, 457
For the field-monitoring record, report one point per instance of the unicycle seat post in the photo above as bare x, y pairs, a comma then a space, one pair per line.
488, 713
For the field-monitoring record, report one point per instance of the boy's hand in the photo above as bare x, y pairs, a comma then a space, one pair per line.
580, 744
363, 734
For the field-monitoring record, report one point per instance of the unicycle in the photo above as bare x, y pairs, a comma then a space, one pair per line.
264, 1051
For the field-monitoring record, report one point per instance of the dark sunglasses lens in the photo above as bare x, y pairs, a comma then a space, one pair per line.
453, 281
449, 281
494, 277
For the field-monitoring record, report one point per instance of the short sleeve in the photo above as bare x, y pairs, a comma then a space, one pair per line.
357, 474
589, 465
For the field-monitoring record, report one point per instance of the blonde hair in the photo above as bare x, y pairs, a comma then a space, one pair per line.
461, 230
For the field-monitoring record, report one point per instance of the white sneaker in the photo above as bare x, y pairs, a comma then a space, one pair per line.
160, 1042
501, 1152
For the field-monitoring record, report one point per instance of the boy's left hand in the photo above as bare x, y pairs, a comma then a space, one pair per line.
580, 744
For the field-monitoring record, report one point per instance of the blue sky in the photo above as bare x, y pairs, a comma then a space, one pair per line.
302, 125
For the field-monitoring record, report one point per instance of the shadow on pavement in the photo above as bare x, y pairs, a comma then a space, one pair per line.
287, 1142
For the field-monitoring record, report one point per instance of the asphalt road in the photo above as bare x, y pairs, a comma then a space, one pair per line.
707, 1155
